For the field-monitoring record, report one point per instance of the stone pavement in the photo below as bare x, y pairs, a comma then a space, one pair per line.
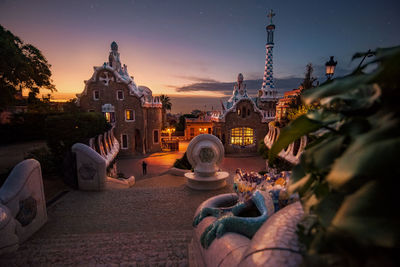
149, 224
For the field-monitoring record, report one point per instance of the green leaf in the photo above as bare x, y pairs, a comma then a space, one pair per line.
337, 87
365, 216
321, 156
329, 205
368, 155
296, 129
359, 98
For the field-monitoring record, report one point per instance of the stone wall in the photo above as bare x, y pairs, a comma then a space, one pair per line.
251, 119
140, 129
154, 122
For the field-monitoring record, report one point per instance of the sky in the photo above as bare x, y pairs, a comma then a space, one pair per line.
188, 49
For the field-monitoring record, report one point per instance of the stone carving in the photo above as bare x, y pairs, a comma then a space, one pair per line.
22, 198
204, 153
257, 206
27, 211
87, 171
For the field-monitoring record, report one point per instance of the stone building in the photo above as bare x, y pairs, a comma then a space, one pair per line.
243, 121
133, 110
196, 126
241, 125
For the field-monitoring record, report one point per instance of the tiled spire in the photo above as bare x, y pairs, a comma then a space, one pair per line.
268, 87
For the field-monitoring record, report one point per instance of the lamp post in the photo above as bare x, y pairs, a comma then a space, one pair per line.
330, 68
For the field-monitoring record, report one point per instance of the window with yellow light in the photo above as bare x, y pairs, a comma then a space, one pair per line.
242, 136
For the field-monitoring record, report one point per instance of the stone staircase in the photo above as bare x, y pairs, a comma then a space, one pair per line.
163, 248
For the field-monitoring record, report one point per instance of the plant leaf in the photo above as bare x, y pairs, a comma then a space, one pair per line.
364, 215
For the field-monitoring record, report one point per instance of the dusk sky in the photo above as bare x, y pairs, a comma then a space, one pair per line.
177, 47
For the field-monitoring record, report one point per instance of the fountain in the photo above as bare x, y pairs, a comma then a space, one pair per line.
205, 152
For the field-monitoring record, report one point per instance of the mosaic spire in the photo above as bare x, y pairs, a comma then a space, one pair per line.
268, 88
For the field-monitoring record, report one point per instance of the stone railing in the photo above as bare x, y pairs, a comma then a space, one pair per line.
93, 160
274, 244
293, 152
22, 205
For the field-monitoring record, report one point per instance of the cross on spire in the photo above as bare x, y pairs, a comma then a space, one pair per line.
270, 15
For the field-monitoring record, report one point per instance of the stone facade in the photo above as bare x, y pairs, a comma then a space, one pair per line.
242, 124
252, 119
135, 113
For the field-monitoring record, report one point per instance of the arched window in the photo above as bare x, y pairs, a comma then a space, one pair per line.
242, 136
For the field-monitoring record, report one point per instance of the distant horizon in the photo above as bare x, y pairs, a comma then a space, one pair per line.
182, 46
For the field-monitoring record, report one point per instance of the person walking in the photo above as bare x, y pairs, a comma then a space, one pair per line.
144, 167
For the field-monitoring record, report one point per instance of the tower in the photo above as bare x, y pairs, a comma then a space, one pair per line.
267, 95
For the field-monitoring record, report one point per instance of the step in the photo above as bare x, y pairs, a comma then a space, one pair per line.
163, 248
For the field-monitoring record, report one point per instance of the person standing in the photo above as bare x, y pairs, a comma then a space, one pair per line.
144, 167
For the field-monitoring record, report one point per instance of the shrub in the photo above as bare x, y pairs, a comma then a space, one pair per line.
183, 163
24, 127
62, 131
262, 149
346, 177
46, 160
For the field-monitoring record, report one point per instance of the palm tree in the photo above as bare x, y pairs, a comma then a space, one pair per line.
166, 102
166, 105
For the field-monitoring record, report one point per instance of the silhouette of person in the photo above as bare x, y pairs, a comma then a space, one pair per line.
144, 167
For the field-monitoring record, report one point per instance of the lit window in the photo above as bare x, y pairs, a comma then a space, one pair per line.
155, 136
120, 95
129, 115
242, 136
124, 141
96, 95
110, 117
191, 132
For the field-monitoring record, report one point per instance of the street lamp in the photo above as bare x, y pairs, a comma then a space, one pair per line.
330, 68
170, 131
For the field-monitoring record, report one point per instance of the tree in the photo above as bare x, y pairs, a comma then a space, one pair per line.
166, 105
166, 102
309, 80
22, 66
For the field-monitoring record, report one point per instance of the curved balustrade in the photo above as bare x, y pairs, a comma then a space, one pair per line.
22, 205
93, 160
293, 152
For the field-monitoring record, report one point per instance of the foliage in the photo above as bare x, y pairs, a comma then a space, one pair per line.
62, 131
346, 176
262, 149
309, 80
294, 113
183, 163
180, 126
22, 66
71, 107
23, 127
166, 102
47, 161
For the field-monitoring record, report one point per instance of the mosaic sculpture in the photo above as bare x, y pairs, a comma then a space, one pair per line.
258, 198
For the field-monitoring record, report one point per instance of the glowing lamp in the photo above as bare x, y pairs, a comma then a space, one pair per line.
330, 68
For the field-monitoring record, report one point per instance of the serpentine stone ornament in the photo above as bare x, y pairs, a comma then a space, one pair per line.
259, 198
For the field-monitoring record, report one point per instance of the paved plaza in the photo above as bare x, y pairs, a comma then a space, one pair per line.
149, 224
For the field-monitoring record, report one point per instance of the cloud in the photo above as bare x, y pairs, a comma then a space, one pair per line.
197, 79
282, 84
